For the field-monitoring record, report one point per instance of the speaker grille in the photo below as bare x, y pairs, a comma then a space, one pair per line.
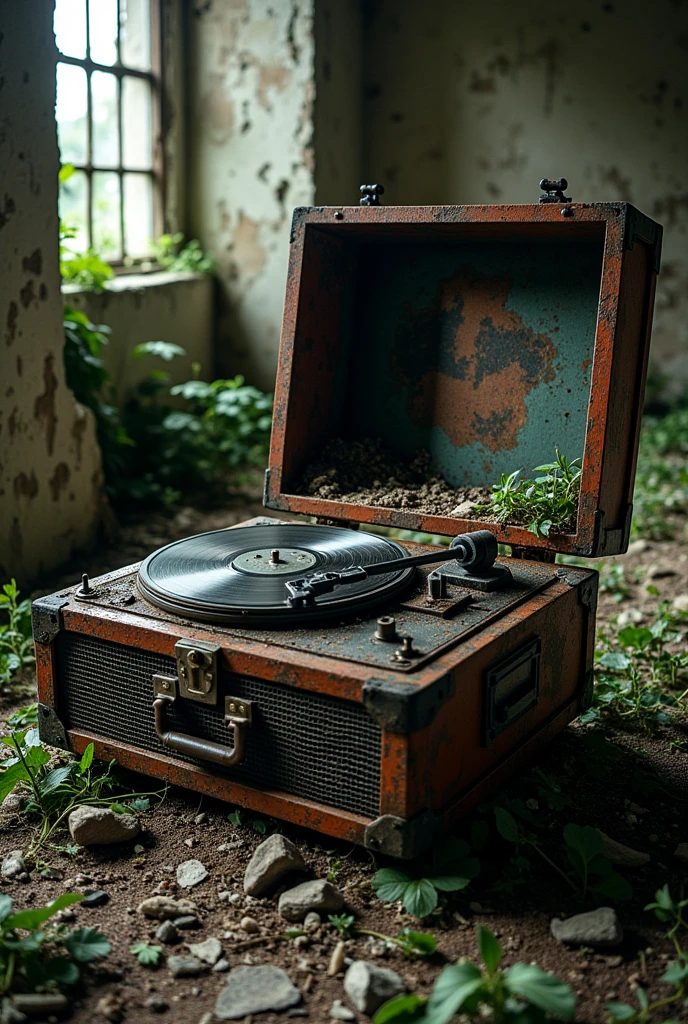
306, 744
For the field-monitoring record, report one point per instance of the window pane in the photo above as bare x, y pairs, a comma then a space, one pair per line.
136, 123
69, 24
138, 214
102, 17
72, 204
106, 224
70, 111
135, 34
104, 105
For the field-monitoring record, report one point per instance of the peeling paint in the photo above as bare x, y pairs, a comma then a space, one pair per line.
44, 406
33, 264
12, 315
24, 486
27, 295
248, 253
59, 480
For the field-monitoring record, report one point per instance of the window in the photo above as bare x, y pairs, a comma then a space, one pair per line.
108, 124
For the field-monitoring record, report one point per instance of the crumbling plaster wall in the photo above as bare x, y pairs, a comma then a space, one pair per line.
250, 139
49, 458
474, 103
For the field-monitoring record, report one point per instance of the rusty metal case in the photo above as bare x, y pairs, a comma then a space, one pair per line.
485, 335
342, 739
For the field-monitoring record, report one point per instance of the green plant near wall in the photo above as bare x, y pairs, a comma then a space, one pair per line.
86, 269
173, 254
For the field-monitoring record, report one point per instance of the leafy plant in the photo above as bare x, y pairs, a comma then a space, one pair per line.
86, 269
522, 994
589, 874
449, 870
259, 825
613, 582
547, 504
173, 255
16, 641
661, 486
147, 954
409, 942
55, 792
36, 959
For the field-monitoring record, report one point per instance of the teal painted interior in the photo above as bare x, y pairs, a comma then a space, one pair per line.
480, 352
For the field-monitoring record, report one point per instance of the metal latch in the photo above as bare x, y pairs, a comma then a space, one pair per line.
197, 670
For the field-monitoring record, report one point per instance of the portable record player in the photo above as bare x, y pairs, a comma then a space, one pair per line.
372, 689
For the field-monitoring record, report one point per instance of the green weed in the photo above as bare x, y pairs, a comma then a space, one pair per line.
547, 504
409, 942
172, 254
661, 485
449, 870
16, 640
147, 954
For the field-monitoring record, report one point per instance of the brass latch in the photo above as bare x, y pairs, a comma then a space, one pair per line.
197, 670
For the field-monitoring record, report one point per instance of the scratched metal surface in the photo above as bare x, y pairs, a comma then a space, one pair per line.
480, 352
352, 640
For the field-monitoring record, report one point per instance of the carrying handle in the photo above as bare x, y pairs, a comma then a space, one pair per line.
195, 746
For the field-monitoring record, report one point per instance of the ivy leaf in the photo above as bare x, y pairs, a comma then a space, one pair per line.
615, 661
456, 989
490, 950
87, 944
146, 955
141, 803
163, 349
420, 897
390, 884
506, 825
620, 1011
545, 991
33, 919
401, 1010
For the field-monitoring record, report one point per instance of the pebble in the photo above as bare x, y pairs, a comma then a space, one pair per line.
340, 1012
190, 843
235, 845
187, 922
317, 895
250, 925
13, 802
681, 852
65, 915
221, 966
337, 959
139, 849
184, 966
201, 818
99, 826
625, 856
191, 873
369, 986
271, 860
229, 897
111, 1007
167, 933
312, 920
599, 927
94, 898
52, 874
13, 864
532, 804
636, 547
35, 1003
256, 990
82, 879
630, 616
156, 1004
164, 908
679, 604
658, 572
208, 951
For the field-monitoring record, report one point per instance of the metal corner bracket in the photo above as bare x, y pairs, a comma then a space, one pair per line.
404, 838
50, 728
46, 617
405, 707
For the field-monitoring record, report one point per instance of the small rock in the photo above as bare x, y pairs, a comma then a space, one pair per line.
658, 572
532, 804
111, 1006
679, 604
221, 966
139, 849
190, 843
99, 826
187, 922
369, 986
681, 852
637, 809
337, 959
235, 845
82, 879
318, 895
459, 512
256, 990
629, 617
184, 966
250, 925
617, 853
636, 547
36, 1003
301, 941
13, 802
275, 857
65, 915
156, 1004
312, 920
13, 864
164, 908
209, 951
52, 874
599, 927
94, 898
191, 873
229, 897
167, 933
201, 818
340, 1012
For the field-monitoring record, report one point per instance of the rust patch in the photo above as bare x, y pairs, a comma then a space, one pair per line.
473, 384
33, 264
12, 315
25, 486
44, 406
248, 252
27, 294
59, 480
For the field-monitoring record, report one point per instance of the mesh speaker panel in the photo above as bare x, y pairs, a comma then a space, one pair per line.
306, 744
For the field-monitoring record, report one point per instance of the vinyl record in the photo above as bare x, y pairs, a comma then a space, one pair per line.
233, 576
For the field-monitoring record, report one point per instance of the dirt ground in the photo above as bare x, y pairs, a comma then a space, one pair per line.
639, 798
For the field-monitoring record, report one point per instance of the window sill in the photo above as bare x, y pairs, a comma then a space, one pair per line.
138, 282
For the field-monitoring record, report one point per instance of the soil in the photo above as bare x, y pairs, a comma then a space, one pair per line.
366, 472
638, 796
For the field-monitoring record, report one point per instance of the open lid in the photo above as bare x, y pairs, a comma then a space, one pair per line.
466, 341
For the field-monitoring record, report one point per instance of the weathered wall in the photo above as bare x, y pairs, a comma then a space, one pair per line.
474, 103
177, 308
249, 130
49, 460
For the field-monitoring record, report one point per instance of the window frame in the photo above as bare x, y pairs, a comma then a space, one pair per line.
157, 173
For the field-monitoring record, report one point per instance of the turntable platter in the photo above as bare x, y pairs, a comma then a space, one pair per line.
238, 575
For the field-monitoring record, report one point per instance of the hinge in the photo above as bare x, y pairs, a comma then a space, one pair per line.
611, 541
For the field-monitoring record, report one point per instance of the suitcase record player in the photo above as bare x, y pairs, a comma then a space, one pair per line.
373, 689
